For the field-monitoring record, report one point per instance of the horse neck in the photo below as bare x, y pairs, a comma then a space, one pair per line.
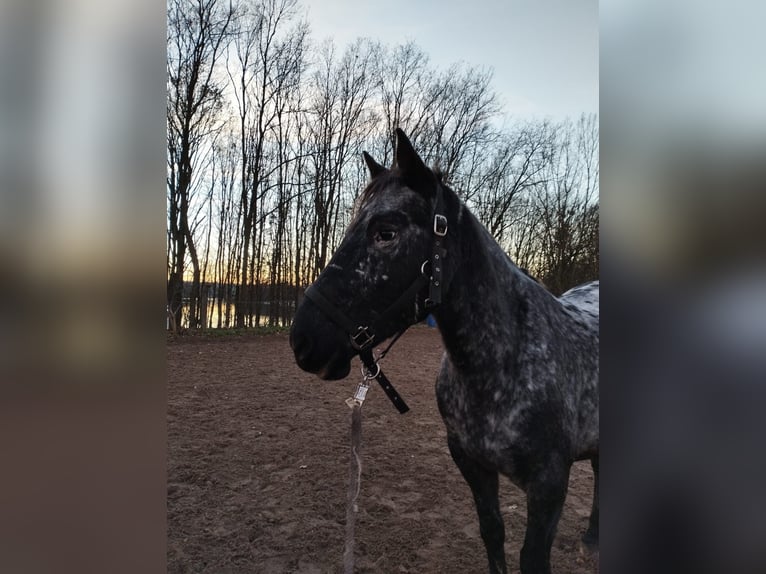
486, 301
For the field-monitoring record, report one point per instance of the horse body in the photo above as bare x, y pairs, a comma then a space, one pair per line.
518, 385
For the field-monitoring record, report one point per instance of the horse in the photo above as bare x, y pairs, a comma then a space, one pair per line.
518, 383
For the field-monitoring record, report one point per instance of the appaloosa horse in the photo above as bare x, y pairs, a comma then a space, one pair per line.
518, 385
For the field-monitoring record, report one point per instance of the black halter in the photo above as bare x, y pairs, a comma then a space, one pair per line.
364, 337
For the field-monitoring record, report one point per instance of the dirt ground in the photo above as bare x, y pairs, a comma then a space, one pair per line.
258, 458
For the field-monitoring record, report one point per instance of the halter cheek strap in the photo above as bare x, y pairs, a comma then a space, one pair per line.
438, 251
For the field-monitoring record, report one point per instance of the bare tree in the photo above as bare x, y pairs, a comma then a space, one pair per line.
454, 121
517, 164
403, 78
341, 119
225, 227
567, 208
287, 106
197, 31
268, 60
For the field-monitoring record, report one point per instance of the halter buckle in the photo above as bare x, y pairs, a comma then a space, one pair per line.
362, 338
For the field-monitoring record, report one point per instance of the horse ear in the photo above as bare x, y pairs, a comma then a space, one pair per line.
375, 168
408, 160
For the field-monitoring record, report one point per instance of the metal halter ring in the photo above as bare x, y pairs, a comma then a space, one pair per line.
423, 267
367, 375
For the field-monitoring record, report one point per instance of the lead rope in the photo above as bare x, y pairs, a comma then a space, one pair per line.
355, 467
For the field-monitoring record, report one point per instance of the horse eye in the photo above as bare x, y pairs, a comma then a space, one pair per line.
385, 235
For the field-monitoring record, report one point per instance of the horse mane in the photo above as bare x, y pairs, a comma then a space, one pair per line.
528, 274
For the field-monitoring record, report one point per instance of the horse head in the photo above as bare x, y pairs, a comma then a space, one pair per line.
375, 284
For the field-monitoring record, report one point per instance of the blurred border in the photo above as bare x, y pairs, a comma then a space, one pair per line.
683, 150
82, 391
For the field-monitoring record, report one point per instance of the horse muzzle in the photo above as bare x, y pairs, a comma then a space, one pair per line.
326, 354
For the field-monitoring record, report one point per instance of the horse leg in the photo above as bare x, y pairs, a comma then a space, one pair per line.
483, 484
545, 499
590, 538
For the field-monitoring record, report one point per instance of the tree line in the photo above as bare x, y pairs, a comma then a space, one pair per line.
265, 129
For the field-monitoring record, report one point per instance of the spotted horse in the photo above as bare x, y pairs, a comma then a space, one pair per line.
518, 383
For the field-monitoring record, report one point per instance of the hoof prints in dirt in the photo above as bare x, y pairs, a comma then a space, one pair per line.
258, 464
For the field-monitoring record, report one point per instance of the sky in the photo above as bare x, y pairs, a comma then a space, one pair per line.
544, 53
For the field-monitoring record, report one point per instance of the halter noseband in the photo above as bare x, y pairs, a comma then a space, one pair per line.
363, 337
